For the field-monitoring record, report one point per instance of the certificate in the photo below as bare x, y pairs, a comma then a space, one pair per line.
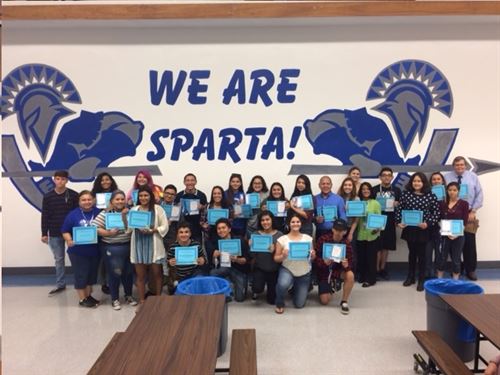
464, 191
412, 217
186, 255
114, 220
232, 246
175, 214
304, 201
168, 209
242, 210
85, 235
356, 208
191, 206
334, 251
215, 214
438, 191
299, 250
102, 200
278, 208
253, 199
452, 228
375, 221
139, 219
135, 197
386, 203
261, 243
329, 213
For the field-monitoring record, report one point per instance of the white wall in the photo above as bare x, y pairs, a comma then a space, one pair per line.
338, 59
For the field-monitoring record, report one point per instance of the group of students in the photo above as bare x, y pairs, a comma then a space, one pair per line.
150, 253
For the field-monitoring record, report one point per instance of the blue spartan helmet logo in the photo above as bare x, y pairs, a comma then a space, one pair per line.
36, 93
410, 89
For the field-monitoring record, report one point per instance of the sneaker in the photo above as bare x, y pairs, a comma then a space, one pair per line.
105, 289
96, 301
130, 300
254, 296
87, 302
344, 308
57, 290
116, 305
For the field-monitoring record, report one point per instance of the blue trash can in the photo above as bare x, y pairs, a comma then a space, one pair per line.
455, 331
209, 285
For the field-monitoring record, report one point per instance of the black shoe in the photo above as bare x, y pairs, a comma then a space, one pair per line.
420, 286
105, 289
409, 281
367, 285
384, 274
96, 301
59, 289
87, 302
472, 276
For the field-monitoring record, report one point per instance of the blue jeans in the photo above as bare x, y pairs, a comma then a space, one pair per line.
300, 288
57, 245
118, 268
238, 278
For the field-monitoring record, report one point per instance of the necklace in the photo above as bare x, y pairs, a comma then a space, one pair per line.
86, 220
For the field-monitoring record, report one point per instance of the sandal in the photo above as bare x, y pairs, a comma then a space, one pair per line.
279, 310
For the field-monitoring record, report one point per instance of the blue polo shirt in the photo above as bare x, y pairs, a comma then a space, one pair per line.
331, 199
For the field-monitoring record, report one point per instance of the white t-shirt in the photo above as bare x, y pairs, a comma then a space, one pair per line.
296, 267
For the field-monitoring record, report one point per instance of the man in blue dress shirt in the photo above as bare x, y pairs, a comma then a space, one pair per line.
475, 198
327, 198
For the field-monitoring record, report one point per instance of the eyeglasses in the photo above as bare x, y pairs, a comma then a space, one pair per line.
165, 193
386, 175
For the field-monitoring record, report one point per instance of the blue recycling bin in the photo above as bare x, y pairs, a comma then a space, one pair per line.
455, 331
209, 285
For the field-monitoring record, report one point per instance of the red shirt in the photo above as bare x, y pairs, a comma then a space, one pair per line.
459, 211
322, 269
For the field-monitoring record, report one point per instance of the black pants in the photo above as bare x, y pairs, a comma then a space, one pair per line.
260, 279
469, 252
367, 260
416, 253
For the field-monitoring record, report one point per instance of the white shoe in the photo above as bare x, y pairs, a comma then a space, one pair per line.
130, 300
116, 305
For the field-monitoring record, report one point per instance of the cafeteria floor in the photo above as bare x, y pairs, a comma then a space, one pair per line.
52, 335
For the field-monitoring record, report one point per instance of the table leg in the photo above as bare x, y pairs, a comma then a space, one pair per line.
476, 354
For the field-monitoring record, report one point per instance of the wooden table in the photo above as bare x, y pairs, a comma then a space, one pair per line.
169, 335
483, 312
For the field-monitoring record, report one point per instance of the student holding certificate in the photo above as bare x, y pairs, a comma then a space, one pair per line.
433, 249
355, 174
367, 240
265, 271
182, 272
235, 196
234, 267
115, 248
388, 196
347, 191
303, 188
144, 178
147, 248
328, 271
419, 198
191, 194
453, 208
85, 257
277, 194
169, 193
293, 273
257, 186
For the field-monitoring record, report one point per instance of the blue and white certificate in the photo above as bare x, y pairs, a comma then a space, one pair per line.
232, 246
102, 200
215, 214
139, 219
386, 203
191, 206
278, 208
304, 201
376, 221
253, 199
412, 218
299, 250
329, 213
439, 192
186, 255
114, 220
356, 208
334, 251
242, 211
85, 235
261, 243
135, 196
464, 191
168, 209
453, 228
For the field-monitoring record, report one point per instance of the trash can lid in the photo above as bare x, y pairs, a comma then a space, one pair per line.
450, 286
204, 285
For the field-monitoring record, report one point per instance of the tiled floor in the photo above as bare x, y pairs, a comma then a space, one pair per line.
43, 335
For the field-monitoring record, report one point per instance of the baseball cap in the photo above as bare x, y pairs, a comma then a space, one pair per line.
340, 224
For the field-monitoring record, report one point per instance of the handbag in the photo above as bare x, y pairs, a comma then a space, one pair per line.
471, 226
